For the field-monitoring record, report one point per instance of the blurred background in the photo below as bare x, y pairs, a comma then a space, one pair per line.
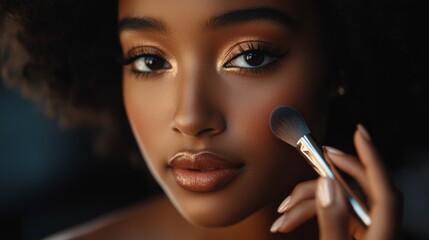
49, 177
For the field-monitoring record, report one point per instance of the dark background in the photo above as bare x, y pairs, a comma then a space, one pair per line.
49, 177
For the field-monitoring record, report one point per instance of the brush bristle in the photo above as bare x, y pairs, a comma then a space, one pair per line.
287, 124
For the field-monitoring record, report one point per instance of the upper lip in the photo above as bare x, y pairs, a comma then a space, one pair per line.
200, 161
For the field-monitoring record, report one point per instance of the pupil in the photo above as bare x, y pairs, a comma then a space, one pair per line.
154, 63
254, 58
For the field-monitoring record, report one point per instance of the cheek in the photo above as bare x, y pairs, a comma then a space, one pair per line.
250, 110
146, 114
249, 114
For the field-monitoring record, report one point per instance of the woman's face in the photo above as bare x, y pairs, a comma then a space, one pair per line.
200, 81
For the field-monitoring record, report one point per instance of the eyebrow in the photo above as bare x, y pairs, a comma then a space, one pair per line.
225, 19
250, 15
141, 23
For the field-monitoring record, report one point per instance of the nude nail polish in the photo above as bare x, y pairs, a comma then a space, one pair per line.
325, 192
277, 224
332, 150
364, 132
284, 205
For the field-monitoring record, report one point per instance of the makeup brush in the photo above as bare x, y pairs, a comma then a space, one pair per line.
287, 124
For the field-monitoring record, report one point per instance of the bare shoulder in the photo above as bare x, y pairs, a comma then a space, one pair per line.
148, 220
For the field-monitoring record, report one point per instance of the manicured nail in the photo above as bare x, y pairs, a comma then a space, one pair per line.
333, 150
363, 131
277, 224
284, 205
325, 192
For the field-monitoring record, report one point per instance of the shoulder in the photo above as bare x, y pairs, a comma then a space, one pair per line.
143, 221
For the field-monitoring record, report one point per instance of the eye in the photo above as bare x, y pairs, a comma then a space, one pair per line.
146, 60
251, 59
150, 63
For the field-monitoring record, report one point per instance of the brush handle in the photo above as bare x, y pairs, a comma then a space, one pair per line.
309, 148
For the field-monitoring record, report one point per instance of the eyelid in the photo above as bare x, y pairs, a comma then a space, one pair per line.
143, 51
139, 51
241, 47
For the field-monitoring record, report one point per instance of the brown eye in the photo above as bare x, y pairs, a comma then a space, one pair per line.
251, 59
254, 58
150, 63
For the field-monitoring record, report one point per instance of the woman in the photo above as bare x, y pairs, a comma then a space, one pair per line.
198, 88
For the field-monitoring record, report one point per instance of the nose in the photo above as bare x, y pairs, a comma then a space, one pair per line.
197, 113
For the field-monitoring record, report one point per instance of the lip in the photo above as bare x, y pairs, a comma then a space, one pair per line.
202, 171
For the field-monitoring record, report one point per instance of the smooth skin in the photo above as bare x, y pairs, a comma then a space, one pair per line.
203, 96
205, 75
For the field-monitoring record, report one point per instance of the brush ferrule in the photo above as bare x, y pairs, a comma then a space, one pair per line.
308, 147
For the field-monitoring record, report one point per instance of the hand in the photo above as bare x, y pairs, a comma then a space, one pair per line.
325, 198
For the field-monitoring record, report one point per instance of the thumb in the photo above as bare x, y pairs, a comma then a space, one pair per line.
331, 210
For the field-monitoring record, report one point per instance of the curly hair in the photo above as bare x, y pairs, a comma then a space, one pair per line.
67, 58
64, 54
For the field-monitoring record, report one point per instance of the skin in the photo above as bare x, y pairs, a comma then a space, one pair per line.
171, 109
195, 100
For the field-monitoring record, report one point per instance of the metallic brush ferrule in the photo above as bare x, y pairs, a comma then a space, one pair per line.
314, 154
309, 148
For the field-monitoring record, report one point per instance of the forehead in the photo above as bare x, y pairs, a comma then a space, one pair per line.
199, 11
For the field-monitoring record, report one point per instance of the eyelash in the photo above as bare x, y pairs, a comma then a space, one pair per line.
235, 52
267, 49
140, 52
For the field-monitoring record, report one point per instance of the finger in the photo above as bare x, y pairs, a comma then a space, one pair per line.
352, 166
385, 206
332, 211
349, 164
376, 173
303, 191
296, 216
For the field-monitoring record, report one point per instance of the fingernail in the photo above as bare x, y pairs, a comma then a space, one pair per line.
284, 205
364, 132
325, 192
333, 150
277, 224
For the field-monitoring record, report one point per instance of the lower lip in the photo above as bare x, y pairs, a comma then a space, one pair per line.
204, 181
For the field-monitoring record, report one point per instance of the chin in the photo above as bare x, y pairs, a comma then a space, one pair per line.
214, 218
213, 223
218, 209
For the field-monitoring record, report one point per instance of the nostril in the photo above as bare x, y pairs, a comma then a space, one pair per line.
176, 130
202, 132
207, 131
198, 128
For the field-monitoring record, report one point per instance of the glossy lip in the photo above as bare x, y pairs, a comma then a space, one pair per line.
202, 171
